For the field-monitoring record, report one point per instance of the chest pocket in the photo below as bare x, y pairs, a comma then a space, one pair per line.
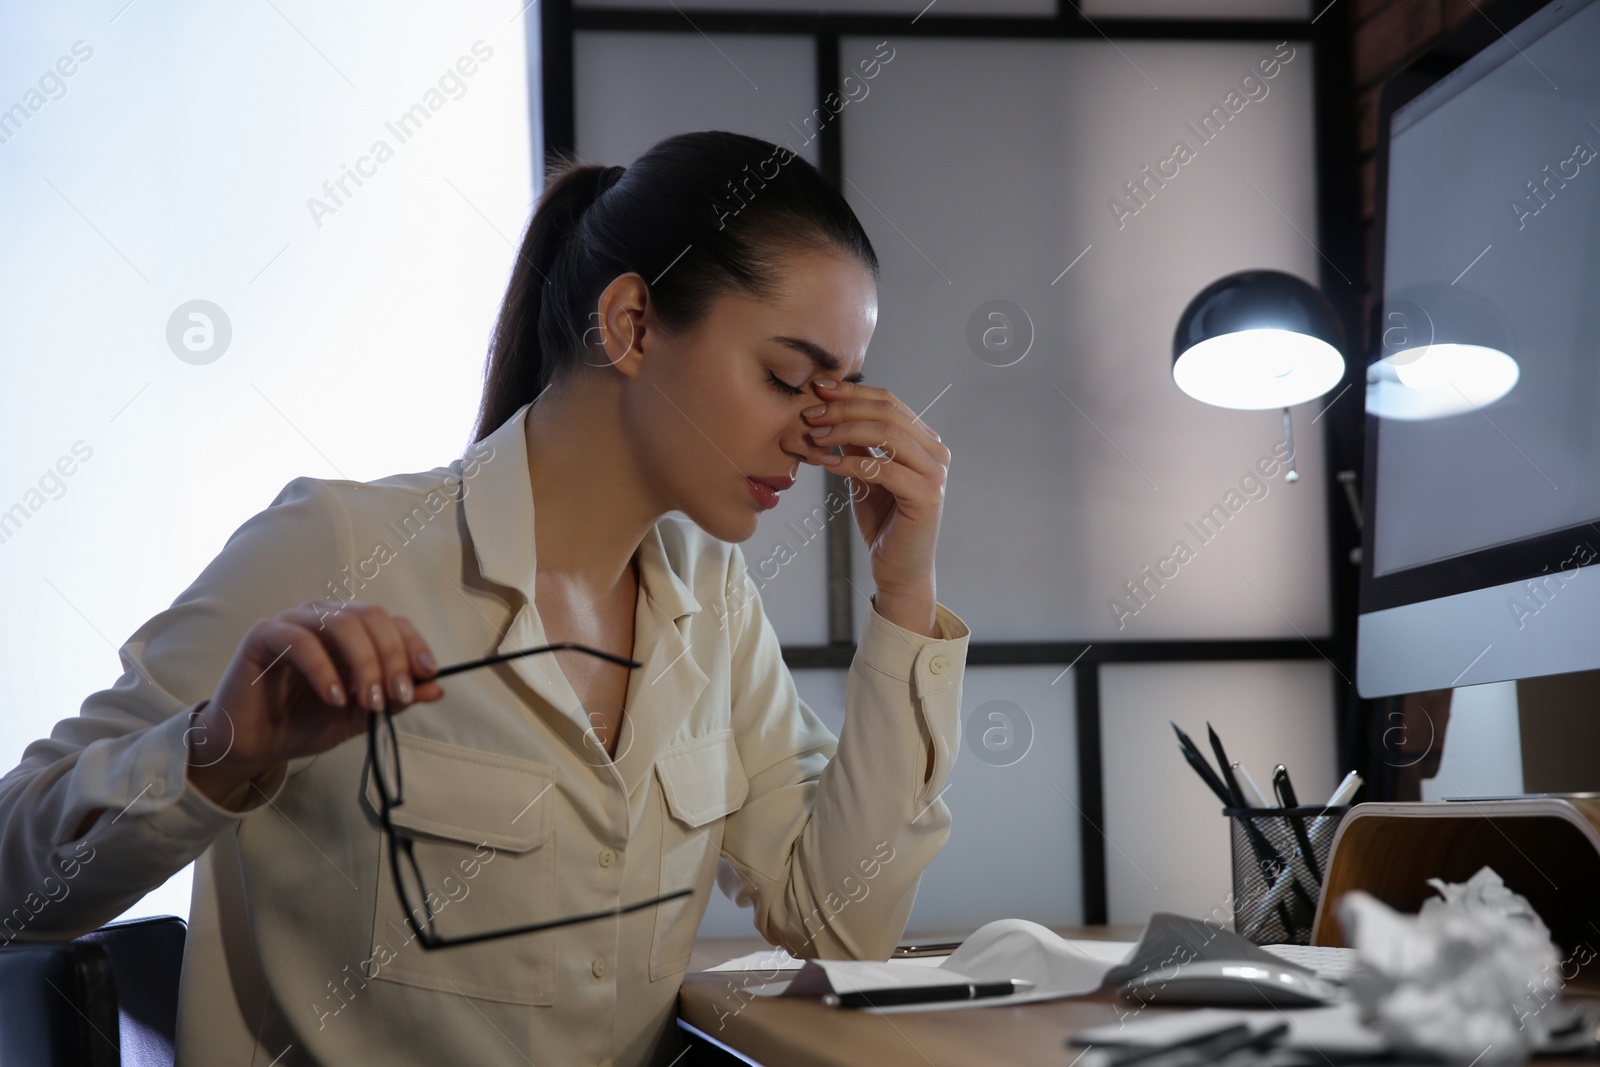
484, 837
702, 782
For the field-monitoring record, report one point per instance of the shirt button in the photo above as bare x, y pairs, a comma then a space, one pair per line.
938, 664
607, 857
158, 786
598, 967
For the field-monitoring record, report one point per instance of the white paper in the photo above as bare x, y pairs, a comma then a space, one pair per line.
767, 959
997, 952
1329, 1031
1466, 978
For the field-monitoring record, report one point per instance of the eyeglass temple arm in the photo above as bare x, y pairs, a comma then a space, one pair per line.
561, 647
435, 941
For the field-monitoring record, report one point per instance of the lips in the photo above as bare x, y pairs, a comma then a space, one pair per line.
766, 490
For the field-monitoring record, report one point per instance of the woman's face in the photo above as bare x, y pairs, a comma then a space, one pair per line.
717, 407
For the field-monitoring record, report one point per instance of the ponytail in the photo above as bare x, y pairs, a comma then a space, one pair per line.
517, 370
717, 208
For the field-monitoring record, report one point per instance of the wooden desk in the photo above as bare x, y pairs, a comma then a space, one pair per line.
779, 1032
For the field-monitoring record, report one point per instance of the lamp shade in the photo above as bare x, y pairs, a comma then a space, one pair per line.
1257, 339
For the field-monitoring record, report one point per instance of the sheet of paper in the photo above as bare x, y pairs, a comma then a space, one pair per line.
851, 976
999, 951
1330, 1031
767, 959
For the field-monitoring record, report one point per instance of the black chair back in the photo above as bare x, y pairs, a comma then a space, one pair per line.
107, 999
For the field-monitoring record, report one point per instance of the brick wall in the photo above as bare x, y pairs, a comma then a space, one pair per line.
1385, 36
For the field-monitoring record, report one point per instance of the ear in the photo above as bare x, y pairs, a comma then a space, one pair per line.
617, 335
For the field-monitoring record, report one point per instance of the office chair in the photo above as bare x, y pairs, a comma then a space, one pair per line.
106, 999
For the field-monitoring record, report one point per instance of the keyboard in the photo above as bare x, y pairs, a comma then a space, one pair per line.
1332, 964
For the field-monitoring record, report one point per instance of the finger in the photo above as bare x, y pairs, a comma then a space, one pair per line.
901, 446
887, 410
340, 626
423, 664
851, 396
392, 653
913, 493
281, 639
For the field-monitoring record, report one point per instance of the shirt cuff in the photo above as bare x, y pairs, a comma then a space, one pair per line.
167, 797
891, 649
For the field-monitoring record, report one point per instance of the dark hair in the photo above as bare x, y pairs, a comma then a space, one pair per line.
698, 215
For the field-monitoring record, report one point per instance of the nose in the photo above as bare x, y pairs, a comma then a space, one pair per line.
797, 442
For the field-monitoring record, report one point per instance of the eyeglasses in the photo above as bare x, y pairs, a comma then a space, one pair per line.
408, 878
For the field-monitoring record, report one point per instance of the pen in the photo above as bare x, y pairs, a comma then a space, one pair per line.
1227, 769
1276, 873
1286, 797
928, 948
1208, 1046
1283, 787
1125, 1054
1201, 767
926, 994
1247, 785
1264, 852
1341, 796
1346, 790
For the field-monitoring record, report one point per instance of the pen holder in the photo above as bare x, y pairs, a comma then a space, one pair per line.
1280, 858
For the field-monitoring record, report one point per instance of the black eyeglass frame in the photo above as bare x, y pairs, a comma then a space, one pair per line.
402, 843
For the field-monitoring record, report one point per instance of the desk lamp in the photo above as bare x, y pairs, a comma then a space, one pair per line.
1258, 339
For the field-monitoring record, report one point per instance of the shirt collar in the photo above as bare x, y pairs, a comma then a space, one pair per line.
497, 495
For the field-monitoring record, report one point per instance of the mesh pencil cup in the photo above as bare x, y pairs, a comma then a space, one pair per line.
1280, 857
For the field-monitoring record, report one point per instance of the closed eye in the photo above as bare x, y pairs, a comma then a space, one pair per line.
779, 383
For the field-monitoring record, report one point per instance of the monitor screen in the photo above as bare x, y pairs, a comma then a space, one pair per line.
1482, 487
1492, 236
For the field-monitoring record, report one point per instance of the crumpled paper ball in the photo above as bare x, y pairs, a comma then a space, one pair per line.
1466, 979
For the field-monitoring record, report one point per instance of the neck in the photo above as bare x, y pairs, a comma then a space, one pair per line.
592, 507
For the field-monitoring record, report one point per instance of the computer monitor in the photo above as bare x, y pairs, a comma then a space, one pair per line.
1482, 484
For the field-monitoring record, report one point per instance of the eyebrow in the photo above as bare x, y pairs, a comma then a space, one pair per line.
818, 355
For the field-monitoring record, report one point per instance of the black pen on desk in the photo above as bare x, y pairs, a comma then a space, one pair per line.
926, 994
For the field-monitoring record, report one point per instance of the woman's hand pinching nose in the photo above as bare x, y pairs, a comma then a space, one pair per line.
897, 468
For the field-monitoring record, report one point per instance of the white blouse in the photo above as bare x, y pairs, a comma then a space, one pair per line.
298, 952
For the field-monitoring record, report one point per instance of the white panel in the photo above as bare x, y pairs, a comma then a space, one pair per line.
914, 8
621, 111
633, 89
1013, 847
1167, 843
787, 558
1199, 9
987, 170
168, 169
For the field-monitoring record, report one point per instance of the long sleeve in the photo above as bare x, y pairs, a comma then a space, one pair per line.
123, 759
834, 834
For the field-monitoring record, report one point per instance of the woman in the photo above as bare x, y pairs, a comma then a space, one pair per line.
678, 336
